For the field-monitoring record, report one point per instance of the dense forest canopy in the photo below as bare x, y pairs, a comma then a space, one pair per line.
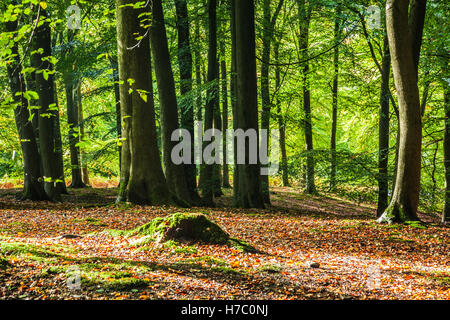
318, 72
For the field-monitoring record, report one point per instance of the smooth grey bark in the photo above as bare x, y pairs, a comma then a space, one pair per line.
142, 178
175, 174
405, 198
416, 23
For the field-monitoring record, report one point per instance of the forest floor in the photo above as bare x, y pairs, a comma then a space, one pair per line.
310, 248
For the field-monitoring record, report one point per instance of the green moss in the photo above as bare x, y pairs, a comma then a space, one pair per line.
182, 226
177, 248
396, 214
114, 281
270, 268
34, 252
242, 246
179, 226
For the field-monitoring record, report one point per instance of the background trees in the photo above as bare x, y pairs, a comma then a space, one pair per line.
323, 79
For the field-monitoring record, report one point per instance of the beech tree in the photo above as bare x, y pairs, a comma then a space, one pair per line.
142, 178
33, 183
249, 192
405, 198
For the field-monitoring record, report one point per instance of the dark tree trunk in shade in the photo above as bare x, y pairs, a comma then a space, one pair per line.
187, 105
224, 81
33, 186
175, 174
142, 178
249, 175
217, 171
117, 109
383, 129
304, 13
267, 36
47, 113
233, 98
206, 183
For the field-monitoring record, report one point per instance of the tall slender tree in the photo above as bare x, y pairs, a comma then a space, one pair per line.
207, 171
175, 174
269, 22
405, 198
142, 178
304, 14
41, 60
33, 187
186, 81
249, 193
337, 35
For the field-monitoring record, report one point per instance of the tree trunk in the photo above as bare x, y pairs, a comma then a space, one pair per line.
405, 199
383, 129
33, 187
265, 94
416, 21
249, 175
187, 107
142, 178
74, 133
175, 174
207, 171
337, 35
198, 73
224, 78
267, 36
281, 121
233, 99
117, 108
305, 18
83, 162
47, 114
446, 213
61, 183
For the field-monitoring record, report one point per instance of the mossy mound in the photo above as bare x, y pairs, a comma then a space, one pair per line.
184, 227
